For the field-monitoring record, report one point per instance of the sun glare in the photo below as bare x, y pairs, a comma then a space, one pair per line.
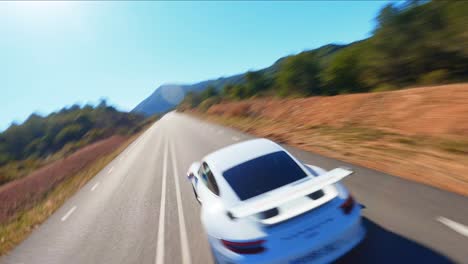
41, 12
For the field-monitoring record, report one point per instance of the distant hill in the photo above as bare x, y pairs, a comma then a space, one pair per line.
166, 97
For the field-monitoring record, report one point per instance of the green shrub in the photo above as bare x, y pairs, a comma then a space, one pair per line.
454, 146
434, 77
207, 103
384, 87
69, 133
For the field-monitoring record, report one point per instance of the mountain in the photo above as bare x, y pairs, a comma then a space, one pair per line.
168, 96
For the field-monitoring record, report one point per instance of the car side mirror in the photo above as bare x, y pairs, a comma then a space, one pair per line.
193, 169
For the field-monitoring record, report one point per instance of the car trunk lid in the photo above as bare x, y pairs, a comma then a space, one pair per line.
291, 200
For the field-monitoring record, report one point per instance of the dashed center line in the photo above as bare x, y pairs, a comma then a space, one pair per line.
457, 227
180, 211
68, 213
95, 186
110, 170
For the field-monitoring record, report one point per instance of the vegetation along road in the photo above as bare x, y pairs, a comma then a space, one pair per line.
135, 209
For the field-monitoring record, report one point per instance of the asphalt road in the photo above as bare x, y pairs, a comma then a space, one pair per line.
140, 209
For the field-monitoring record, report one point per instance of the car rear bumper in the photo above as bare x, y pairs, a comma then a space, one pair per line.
324, 251
334, 249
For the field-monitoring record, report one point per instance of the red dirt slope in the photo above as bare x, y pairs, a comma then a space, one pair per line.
440, 110
419, 134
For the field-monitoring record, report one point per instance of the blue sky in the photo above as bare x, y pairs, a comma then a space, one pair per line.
57, 54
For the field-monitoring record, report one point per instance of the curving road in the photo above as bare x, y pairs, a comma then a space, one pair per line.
140, 209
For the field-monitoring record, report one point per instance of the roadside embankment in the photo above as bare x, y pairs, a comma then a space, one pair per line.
27, 202
420, 134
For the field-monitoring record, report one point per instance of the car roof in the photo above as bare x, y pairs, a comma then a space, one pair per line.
232, 155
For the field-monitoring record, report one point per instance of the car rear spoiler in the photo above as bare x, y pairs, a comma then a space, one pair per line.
270, 201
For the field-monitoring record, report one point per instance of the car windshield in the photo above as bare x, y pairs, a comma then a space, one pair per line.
263, 174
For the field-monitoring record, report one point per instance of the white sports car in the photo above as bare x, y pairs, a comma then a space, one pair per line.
259, 204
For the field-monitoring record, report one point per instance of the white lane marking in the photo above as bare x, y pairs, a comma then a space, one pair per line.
95, 186
68, 213
162, 212
183, 233
457, 227
110, 170
235, 138
121, 158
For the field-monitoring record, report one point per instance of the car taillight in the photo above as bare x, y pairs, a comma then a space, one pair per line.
245, 247
348, 205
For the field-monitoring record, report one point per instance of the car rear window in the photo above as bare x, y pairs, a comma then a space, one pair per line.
263, 174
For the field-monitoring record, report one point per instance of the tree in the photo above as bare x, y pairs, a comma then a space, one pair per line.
343, 74
191, 100
299, 75
68, 134
226, 91
102, 103
414, 39
255, 83
239, 92
210, 91
207, 103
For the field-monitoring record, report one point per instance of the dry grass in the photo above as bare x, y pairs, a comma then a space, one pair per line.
16, 229
430, 111
418, 134
25, 192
